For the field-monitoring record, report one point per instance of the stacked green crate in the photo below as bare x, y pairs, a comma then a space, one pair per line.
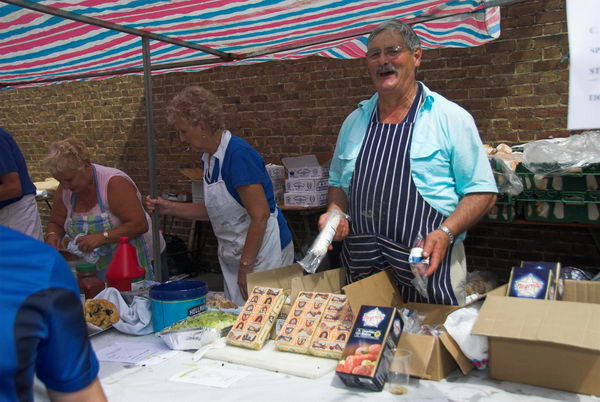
588, 179
569, 198
505, 208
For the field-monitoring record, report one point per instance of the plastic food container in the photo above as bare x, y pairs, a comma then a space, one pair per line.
174, 301
196, 337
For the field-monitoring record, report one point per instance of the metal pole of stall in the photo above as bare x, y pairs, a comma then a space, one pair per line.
158, 275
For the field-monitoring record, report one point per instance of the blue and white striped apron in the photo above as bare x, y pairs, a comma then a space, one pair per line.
387, 212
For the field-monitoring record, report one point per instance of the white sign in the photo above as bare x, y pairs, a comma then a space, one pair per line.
583, 19
140, 353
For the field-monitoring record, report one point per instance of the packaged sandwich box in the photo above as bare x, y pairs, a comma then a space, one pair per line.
253, 325
369, 351
318, 323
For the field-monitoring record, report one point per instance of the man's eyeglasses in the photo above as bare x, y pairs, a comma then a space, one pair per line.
391, 52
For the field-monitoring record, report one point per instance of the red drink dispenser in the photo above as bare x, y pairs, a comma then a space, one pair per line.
124, 267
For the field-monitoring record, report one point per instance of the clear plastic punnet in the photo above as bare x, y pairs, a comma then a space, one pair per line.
319, 248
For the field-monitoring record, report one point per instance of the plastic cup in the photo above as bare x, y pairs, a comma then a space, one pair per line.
399, 372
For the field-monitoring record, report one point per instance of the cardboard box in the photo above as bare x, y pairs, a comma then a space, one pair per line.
305, 167
550, 343
306, 199
276, 172
306, 185
292, 280
433, 357
278, 185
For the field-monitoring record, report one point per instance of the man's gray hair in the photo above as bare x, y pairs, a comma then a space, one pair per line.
410, 38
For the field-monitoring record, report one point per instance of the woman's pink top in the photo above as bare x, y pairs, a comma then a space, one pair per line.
103, 176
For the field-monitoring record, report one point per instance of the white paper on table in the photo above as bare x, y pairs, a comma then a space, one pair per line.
211, 376
136, 353
584, 60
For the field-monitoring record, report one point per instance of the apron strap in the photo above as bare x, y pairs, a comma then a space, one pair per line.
98, 197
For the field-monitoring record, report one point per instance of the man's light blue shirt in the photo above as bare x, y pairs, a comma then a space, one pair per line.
446, 157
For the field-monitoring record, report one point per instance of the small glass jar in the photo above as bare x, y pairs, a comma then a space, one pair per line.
89, 284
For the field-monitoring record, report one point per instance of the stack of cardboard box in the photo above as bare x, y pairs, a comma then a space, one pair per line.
277, 175
307, 182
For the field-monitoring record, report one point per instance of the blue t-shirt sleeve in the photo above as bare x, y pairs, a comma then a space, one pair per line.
248, 167
7, 161
66, 361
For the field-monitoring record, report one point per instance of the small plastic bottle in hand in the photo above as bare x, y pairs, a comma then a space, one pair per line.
419, 266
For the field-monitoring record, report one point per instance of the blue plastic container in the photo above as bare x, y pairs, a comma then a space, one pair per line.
174, 301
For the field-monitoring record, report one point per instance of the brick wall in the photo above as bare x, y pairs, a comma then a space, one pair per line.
516, 88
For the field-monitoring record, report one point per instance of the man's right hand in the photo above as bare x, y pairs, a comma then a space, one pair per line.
341, 231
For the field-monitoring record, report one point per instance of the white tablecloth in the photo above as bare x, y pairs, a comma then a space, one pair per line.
123, 382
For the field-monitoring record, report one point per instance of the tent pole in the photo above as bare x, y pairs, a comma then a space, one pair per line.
157, 274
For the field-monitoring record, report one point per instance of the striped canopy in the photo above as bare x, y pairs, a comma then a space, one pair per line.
41, 43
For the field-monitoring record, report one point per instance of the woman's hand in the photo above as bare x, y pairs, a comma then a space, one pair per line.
90, 242
160, 204
242, 280
53, 240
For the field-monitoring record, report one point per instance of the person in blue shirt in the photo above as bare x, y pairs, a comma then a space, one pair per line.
43, 329
407, 162
18, 207
252, 233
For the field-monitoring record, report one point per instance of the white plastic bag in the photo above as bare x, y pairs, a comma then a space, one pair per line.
559, 155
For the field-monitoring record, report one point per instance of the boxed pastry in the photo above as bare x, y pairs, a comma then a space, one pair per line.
318, 323
302, 321
369, 351
253, 326
532, 282
292, 280
334, 329
557, 284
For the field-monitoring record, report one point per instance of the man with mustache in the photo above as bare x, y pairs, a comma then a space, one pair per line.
408, 162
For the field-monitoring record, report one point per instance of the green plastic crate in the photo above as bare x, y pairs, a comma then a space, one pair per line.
586, 180
505, 209
560, 206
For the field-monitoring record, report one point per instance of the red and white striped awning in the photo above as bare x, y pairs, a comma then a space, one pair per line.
191, 35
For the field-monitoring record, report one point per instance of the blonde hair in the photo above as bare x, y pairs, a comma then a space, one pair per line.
195, 104
68, 154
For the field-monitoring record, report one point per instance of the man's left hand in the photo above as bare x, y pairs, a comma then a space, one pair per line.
436, 245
